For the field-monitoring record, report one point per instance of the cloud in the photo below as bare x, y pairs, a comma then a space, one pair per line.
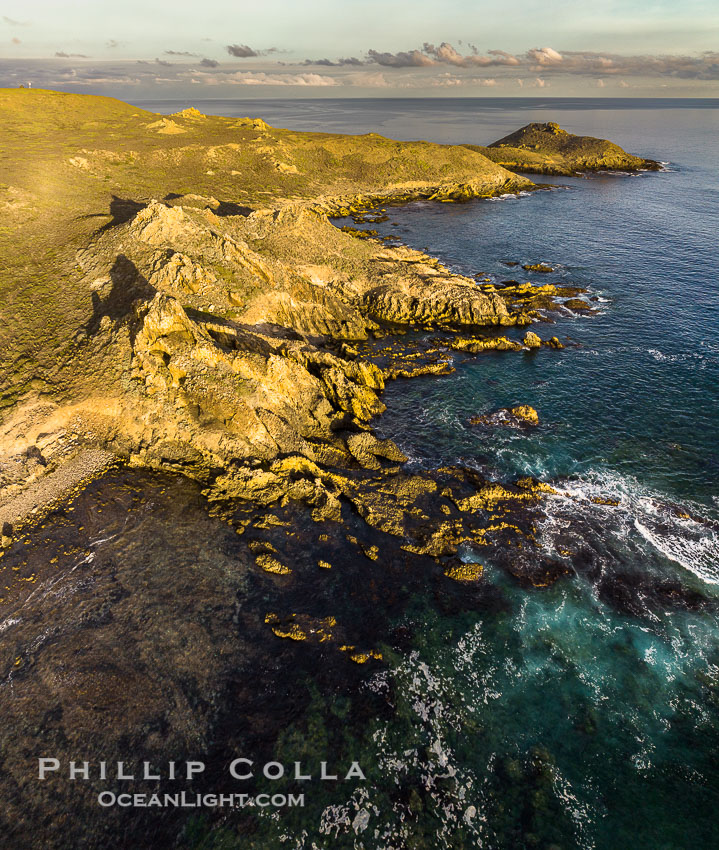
13, 23
547, 60
241, 51
351, 60
367, 79
432, 67
444, 54
179, 53
244, 51
705, 66
501, 57
112, 43
100, 81
410, 59
87, 76
260, 78
544, 56
448, 80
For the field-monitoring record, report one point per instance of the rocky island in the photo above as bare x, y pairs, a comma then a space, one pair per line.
183, 325
548, 149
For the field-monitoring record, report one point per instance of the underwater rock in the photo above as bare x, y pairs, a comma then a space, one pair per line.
270, 564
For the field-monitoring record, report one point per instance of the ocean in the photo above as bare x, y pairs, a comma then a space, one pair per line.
586, 714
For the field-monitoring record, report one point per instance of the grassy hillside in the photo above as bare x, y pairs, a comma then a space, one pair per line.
73, 163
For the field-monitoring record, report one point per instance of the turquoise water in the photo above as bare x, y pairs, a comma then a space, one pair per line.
587, 714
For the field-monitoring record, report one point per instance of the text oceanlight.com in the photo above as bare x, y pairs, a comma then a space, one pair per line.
186, 800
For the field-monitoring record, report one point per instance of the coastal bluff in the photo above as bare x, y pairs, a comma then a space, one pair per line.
201, 532
175, 292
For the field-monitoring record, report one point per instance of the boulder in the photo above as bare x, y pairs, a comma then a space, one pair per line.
512, 417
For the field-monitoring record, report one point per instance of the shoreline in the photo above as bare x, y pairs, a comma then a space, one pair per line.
262, 571
177, 334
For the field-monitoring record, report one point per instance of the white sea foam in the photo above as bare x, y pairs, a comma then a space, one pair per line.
698, 555
699, 357
11, 621
681, 533
508, 196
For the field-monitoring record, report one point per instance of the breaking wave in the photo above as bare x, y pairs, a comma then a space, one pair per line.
645, 520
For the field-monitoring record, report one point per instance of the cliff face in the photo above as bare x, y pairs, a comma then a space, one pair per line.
547, 149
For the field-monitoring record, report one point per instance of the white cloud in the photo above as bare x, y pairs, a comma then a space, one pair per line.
367, 79
544, 56
260, 78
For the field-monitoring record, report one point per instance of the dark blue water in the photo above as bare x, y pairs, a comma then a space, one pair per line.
561, 719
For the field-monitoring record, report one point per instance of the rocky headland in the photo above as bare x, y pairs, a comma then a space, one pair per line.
548, 149
177, 295
187, 336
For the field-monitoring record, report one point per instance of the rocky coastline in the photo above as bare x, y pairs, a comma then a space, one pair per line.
233, 350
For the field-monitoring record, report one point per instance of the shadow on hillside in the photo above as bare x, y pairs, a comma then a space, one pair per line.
122, 210
230, 208
115, 301
223, 208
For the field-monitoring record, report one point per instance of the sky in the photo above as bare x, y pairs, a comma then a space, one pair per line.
345, 48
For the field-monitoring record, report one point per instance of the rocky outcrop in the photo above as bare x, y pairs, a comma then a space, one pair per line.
437, 304
548, 149
513, 417
229, 343
474, 345
578, 304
